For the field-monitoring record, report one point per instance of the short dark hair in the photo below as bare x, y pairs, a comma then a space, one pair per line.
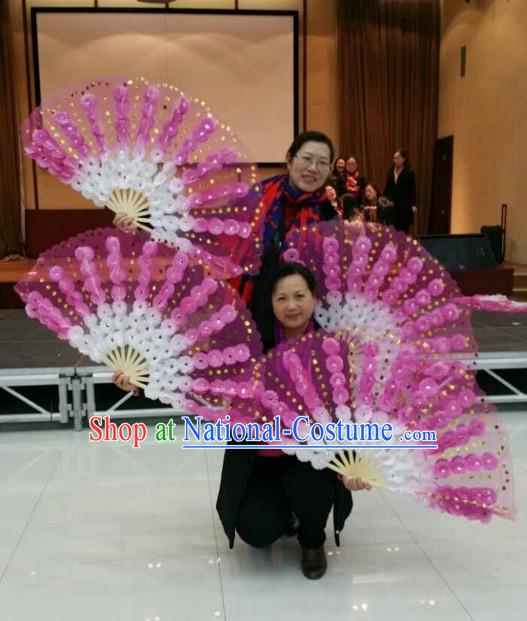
290, 268
310, 136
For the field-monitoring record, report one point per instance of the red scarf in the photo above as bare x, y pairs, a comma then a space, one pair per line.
352, 183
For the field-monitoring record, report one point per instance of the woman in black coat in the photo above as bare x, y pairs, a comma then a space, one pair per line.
262, 490
400, 189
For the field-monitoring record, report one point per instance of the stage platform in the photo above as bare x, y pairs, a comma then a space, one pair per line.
42, 379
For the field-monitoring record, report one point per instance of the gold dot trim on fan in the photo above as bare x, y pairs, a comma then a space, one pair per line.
361, 466
133, 204
130, 362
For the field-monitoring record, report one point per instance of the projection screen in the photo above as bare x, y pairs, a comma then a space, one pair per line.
244, 64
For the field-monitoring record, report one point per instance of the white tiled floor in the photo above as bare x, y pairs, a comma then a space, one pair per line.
100, 532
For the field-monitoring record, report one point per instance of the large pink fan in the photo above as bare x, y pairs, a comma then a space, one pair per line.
332, 380
158, 156
142, 309
380, 286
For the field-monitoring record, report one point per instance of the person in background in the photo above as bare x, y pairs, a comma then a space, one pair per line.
338, 178
333, 198
354, 182
351, 208
370, 199
400, 189
377, 208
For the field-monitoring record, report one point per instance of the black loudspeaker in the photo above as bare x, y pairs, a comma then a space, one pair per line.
460, 252
495, 236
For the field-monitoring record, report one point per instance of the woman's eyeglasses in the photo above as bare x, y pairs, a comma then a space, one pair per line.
309, 161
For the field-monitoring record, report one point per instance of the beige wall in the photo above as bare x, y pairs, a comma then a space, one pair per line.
486, 113
321, 75
322, 92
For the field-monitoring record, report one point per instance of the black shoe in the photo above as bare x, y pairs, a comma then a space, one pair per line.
314, 563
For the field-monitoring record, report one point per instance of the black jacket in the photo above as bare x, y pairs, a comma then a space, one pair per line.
403, 196
237, 467
338, 181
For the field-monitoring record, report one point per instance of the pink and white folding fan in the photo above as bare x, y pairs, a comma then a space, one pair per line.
158, 156
331, 379
142, 309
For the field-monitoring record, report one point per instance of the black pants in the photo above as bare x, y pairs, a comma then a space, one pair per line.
404, 218
279, 486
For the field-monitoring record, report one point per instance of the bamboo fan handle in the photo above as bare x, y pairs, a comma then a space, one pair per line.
133, 204
129, 362
361, 467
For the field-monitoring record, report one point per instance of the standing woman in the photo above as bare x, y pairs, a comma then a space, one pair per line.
400, 189
294, 199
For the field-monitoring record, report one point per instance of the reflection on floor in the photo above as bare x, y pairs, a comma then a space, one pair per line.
100, 532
